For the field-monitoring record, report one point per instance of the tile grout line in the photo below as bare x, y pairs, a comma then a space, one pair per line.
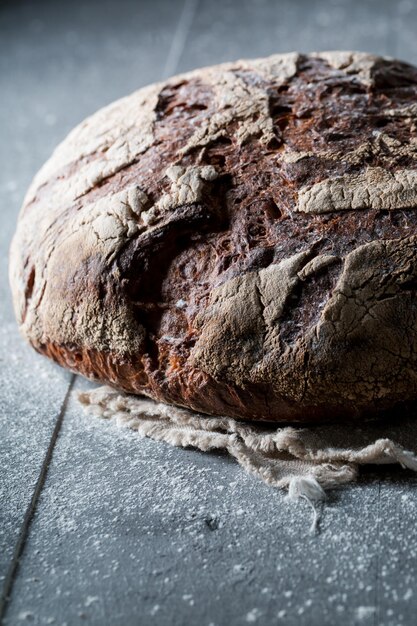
180, 37
392, 34
32, 506
378, 557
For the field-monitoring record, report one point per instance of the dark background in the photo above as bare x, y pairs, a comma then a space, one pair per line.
97, 526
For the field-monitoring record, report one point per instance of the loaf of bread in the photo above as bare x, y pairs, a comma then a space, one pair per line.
239, 240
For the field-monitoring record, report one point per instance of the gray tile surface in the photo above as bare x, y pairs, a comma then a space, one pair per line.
32, 392
132, 531
129, 531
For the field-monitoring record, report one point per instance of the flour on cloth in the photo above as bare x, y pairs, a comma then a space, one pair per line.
305, 460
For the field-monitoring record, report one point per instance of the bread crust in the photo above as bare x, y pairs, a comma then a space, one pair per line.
239, 240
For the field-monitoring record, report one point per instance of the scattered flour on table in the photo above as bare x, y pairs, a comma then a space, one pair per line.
25, 615
364, 612
140, 517
253, 615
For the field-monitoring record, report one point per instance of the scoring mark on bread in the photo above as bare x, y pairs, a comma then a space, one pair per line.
239, 101
187, 186
104, 144
376, 188
113, 220
317, 264
359, 64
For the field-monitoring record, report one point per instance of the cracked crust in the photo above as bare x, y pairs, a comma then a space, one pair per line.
240, 240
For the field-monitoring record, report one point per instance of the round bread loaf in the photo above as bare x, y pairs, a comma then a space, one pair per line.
240, 240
